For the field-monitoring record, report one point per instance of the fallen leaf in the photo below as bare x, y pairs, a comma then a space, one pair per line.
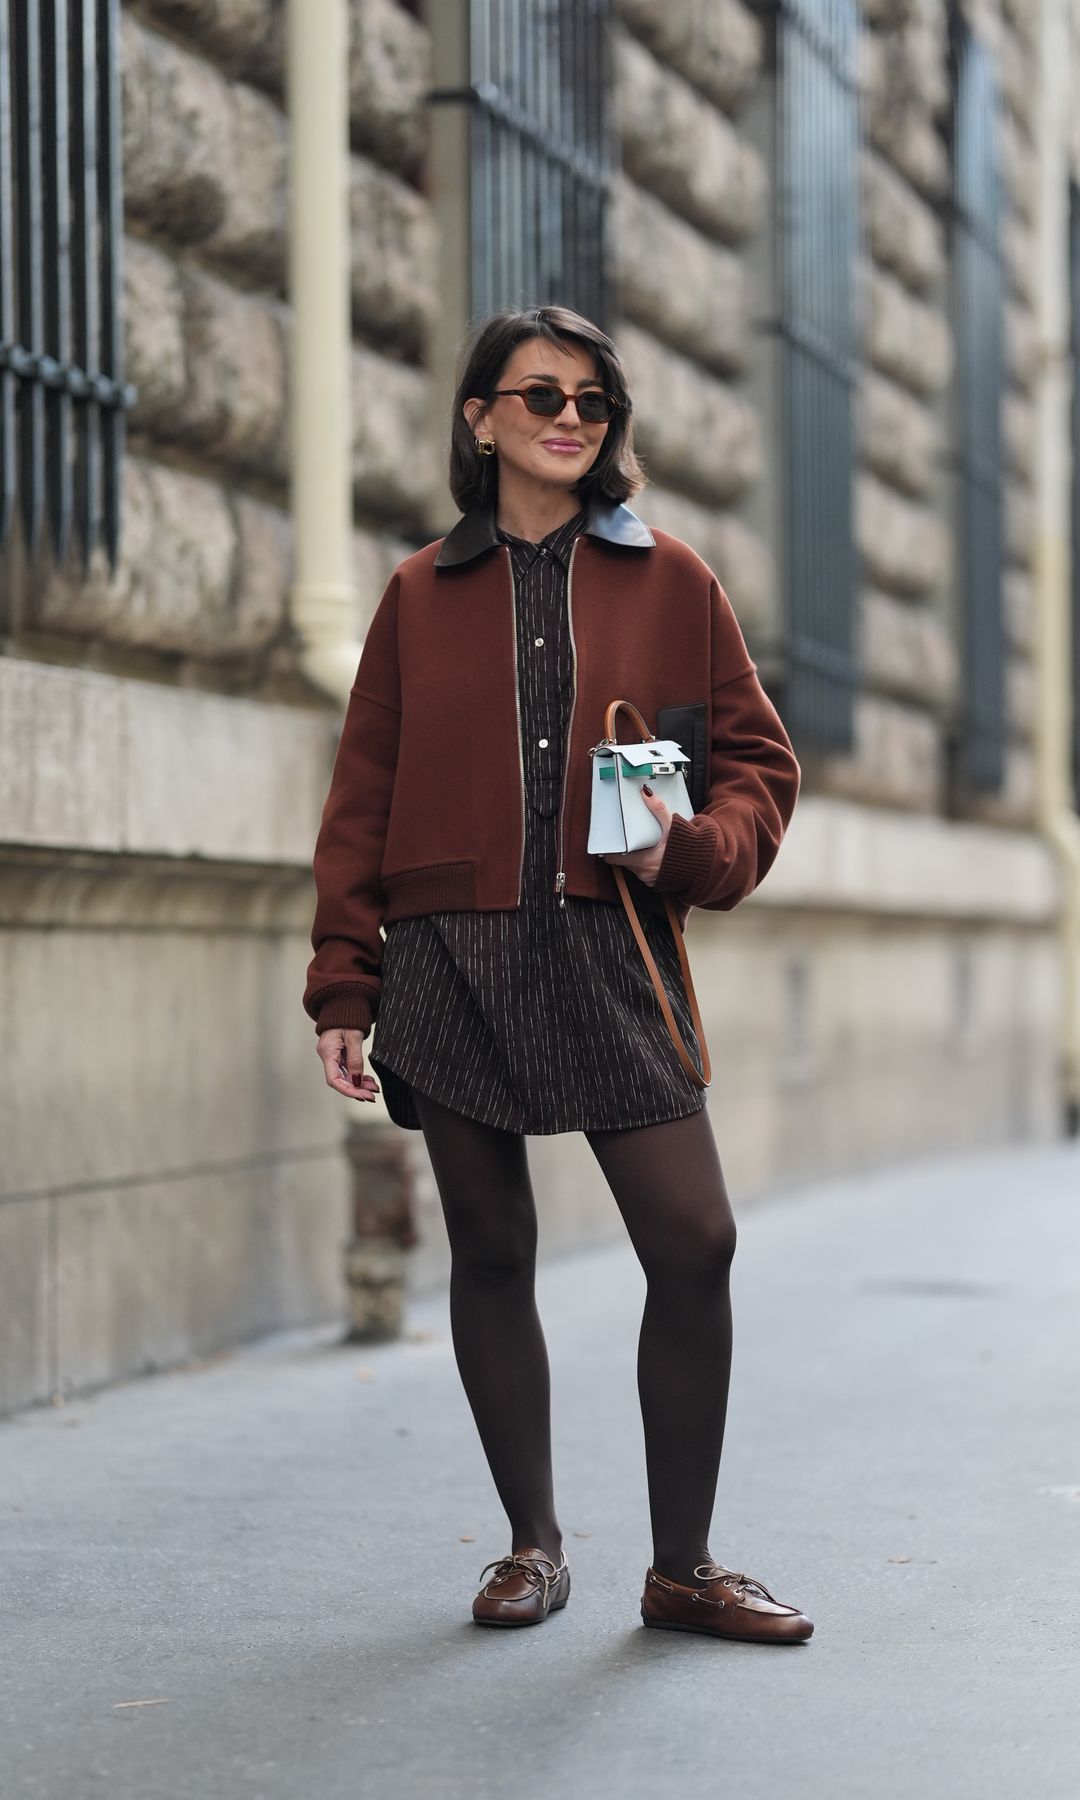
899, 1559
466, 1540
117, 1704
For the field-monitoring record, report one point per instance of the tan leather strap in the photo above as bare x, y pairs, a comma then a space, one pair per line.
642, 942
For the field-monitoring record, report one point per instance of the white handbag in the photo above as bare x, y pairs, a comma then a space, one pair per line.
620, 821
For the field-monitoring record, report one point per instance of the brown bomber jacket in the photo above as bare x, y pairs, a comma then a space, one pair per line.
425, 811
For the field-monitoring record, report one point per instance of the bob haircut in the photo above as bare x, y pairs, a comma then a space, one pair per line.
474, 480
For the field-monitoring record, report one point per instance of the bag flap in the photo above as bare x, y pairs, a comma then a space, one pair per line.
660, 750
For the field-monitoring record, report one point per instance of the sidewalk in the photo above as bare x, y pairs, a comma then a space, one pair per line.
278, 1550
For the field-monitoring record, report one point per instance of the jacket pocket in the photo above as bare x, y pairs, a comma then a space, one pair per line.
686, 724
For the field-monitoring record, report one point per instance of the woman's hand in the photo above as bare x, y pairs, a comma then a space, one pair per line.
645, 864
342, 1054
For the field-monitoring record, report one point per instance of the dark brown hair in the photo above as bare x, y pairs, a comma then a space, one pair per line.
474, 480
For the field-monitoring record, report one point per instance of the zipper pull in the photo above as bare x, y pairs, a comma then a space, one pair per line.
560, 883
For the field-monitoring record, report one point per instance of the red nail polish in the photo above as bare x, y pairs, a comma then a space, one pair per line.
645, 788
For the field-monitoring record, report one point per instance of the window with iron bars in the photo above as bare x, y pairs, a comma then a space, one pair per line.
540, 153
817, 227
62, 391
978, 739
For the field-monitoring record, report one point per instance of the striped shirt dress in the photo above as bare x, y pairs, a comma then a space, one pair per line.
542, 1018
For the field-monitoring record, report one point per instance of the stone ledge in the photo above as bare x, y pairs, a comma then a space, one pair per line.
838, 855
99, 762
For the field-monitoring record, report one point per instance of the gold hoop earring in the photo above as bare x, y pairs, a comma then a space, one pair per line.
484, 446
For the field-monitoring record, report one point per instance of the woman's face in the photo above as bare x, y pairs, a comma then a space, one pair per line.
558, 450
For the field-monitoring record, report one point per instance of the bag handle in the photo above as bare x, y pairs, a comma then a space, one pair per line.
610, 718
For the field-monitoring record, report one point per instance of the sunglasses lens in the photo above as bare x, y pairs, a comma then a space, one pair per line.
547, 401
594, 406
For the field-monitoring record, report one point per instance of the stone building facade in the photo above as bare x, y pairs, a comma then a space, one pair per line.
172, 1172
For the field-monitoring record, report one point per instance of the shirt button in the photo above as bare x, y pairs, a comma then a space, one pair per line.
543, 743
538, 642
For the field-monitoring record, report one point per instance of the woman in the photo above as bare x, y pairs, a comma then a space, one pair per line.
511, 996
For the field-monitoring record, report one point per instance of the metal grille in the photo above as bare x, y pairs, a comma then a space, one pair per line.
978, 296
817, 224
541, 153
1074, 345
62, 392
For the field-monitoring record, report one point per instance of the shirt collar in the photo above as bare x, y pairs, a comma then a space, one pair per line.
476, 531
558, 543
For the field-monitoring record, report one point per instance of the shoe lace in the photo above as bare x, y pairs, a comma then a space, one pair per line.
740, 1583
531, 1566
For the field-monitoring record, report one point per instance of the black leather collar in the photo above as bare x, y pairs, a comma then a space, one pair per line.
607, 519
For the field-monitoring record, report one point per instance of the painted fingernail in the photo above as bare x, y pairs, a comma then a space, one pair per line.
645, 788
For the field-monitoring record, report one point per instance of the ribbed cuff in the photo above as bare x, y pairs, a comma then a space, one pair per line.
688, 857
346, 1009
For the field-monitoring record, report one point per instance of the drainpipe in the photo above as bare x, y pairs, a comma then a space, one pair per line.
323, 607
1058, 818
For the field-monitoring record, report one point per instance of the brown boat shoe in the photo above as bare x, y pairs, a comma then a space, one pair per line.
525, 1587
727, 1604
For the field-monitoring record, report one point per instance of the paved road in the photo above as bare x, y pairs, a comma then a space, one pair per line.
279, 1550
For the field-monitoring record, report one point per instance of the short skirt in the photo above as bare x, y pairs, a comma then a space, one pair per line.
538, 1019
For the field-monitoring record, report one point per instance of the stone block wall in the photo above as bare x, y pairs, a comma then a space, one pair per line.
203, 584
693, 206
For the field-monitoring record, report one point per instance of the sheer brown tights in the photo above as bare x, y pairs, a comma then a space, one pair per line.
669, 1188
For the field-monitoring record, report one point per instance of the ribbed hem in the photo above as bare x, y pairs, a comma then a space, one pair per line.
437, 887
345, 1008
688, 857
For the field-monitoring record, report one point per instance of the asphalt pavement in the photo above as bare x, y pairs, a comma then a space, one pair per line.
251, 1580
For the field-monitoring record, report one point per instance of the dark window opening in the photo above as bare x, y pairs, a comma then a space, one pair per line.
817, 227
978, 746
62, 391
540, 153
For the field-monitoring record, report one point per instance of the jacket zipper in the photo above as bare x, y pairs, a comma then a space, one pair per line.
560, 879
517, 705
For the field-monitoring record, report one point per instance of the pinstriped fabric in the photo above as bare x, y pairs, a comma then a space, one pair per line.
540, 1019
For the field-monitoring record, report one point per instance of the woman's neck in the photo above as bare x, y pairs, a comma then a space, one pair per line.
534, 511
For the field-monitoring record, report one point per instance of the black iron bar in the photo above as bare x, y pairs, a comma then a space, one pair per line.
57, 259
30, 331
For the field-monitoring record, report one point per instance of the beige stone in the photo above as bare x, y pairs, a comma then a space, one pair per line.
156, 359
904, 545
392, 453
681, 148
905, 649
692, 430
906, 235
1015, 804
899, 121
204, 158
1021, 350
897, 758
1020, 167
389, 77
739, 560
247, 37
706, 312
395, 265
1017, 73
716, 44
1018, 433
1018, 599
237, 375
1020, 251
907, 338
1019, 522
899, 436
856, 859
263, 571
1021, 696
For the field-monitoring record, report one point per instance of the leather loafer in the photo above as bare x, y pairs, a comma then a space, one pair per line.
725, 1604
523, 1589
